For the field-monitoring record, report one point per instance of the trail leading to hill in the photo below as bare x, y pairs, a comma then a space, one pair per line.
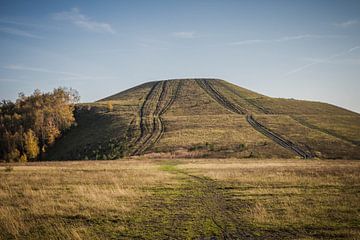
195, 208
206, 85
160, 97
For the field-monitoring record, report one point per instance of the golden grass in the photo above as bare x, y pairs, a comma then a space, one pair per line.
300, 107
324, 145
313, 194
225, 132
346, 126
268, 198
49, 195
193, 100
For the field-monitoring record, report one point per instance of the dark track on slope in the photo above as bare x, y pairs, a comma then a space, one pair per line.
142, 112
250, 101
164, 109
144, 127
338, 136
157, 124
277, 138
157, 128
204, 84
173, 98
256, 125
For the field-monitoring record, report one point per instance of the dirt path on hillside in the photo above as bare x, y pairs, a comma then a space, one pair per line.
277, 138
250, 101
151, 123
146, 117
206, 85
212, 92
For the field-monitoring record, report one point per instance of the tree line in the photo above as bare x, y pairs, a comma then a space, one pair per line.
32, 123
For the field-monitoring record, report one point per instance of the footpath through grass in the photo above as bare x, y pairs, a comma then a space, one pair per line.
196, 207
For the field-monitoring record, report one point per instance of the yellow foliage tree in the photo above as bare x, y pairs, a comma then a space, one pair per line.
110, 106
23, 158
34, 122
31, 144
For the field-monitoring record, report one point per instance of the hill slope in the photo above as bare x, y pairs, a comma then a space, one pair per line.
208, 118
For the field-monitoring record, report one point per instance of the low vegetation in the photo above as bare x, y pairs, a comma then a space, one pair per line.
181, 199
99, 134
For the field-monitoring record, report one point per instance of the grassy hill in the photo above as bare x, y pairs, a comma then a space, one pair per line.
208, 118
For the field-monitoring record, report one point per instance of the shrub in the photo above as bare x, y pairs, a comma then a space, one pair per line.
110, 106
9, 168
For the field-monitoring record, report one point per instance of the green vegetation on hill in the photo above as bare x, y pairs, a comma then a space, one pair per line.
207, 118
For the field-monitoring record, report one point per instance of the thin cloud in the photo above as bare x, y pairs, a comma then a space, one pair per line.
28, 25
41, 70
348, 23
66, 76
10, 80
353, 49
75, 17
18, 32
187, 35
341, 61
320, 61
87, 78
284, 39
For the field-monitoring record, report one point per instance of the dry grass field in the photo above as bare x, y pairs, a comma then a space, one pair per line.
181, 199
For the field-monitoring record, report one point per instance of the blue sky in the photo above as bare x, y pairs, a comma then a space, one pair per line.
293, 49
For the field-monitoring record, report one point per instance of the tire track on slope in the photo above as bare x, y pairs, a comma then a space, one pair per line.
256, 125
250, 101
173, 98
142, 112
158, 128
311, 126
165, 108
146, 111
157, 124
210, 90
277, 138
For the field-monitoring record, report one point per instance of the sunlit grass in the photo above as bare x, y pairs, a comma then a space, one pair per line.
181, 198
49, 195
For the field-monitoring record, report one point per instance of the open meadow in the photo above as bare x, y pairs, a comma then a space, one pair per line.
204, 120
181, 199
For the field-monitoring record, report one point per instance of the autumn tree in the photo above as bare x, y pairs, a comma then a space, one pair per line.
31, 144
110, 106
32, 123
